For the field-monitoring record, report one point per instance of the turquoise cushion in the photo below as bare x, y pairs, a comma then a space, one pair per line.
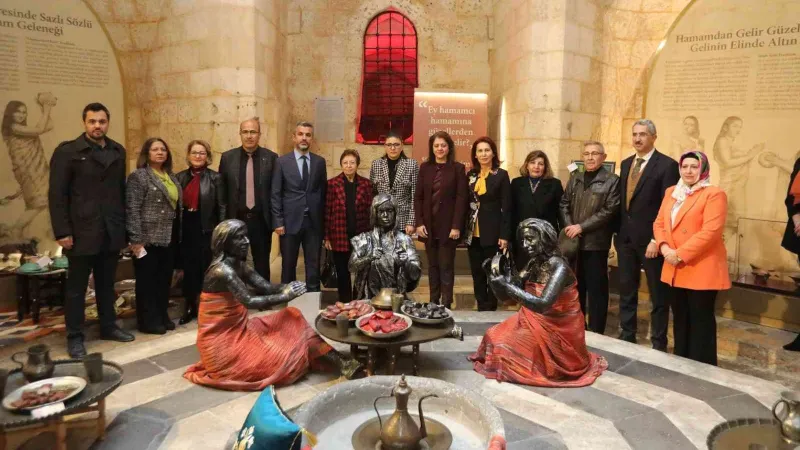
267, 427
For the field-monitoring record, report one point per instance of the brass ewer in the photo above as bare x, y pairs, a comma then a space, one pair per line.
400, 432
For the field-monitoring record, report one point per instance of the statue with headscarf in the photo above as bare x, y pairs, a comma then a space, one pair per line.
544, 344
383, 257
241, 353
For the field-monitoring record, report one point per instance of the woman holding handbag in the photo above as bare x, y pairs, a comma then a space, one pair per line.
489, 216
347, 204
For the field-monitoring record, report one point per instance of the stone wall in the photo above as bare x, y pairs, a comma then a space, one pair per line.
325, 42
195, 69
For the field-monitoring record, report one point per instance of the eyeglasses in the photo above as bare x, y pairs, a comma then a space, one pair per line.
202, 153
249, 133
393, 145
592, 154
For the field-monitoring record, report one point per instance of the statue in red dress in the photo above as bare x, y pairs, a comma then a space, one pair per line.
238, 353
544, 343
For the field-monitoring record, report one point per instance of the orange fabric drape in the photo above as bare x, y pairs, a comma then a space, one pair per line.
541, 349
794, 191
241, 354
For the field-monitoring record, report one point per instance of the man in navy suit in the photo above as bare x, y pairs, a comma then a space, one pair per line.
299, 181
644, 177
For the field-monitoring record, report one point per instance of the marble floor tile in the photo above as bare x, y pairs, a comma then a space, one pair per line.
652, 431
203, 430
140, 370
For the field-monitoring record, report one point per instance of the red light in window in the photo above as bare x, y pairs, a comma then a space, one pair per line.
389, 78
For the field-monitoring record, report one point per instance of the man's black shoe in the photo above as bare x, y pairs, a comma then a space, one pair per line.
75, 347
627, 338
169, 324
116, 334
793, 346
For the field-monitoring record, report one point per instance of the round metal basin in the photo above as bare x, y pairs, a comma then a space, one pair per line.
334, 415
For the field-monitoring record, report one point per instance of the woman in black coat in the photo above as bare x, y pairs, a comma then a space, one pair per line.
203, 209
489, 216
536, 194
791, 237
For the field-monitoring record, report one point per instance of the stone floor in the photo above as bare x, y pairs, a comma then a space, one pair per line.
646, 400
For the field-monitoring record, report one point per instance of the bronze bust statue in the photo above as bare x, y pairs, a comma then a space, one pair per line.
229, 272
384, 257
546, 266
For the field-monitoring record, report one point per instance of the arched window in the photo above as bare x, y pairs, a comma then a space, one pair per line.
389, 78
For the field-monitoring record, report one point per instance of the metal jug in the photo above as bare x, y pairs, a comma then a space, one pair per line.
400, 432
38, 365
790, 422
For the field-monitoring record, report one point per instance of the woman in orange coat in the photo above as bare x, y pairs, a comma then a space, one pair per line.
688, 231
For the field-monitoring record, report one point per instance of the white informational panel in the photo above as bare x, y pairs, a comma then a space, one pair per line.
329, 119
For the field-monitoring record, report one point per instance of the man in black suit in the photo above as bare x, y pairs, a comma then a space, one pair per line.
247, 180
299, 181
87, 211
644, 178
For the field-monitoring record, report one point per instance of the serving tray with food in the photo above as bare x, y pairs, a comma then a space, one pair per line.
384, 324
353, 310
426, 313
44, 392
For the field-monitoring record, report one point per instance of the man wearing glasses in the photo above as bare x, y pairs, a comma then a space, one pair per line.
247, 180
396, 175
588, 208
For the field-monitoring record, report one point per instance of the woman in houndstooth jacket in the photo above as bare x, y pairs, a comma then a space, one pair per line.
396, 175
153, 212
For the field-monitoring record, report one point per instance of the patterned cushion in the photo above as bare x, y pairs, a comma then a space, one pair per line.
268, 428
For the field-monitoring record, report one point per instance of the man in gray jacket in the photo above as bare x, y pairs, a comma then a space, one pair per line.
588, 209
87, 211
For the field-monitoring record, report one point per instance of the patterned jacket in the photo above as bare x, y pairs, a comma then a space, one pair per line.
405, 186
336, 212
149, 216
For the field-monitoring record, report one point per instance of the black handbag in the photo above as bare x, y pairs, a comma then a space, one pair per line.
328, 274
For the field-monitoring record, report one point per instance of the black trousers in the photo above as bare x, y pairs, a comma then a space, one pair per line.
195, 256
311, 241
341, 260
441, 261
104, 267
695, 325
260, 237
593, 286
631, 259
153, 279
483, 293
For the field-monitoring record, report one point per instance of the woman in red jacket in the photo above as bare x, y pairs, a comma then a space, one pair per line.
440, 204
347, 204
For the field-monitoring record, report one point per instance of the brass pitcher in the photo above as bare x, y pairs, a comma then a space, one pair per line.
400, 432
38, 366
790, 422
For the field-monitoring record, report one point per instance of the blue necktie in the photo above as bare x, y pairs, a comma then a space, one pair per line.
305, 169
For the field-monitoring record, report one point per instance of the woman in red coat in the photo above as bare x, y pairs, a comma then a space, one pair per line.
347, 204
440, 204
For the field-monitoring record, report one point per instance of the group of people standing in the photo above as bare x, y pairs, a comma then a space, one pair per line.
667, 218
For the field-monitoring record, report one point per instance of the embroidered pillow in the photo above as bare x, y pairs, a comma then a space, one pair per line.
268, 428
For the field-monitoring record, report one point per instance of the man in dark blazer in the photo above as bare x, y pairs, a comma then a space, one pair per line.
643, 179
250, 201
299, 182
87, 211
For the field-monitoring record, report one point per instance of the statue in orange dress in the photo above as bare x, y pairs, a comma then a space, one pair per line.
544, 343
238, 353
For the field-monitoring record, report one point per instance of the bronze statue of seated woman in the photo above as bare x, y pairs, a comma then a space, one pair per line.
384, 257
248, 354
544, 344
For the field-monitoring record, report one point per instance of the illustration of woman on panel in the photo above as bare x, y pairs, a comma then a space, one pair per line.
690, 139
28, 160
734, 162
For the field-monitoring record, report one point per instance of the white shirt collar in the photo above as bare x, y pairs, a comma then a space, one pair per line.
298, 154
645, 157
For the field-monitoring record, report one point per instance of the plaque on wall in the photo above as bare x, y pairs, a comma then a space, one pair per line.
727, 82
54, 59
329, 119
462, 115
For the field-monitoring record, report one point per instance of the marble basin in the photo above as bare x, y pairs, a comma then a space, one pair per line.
335, 414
